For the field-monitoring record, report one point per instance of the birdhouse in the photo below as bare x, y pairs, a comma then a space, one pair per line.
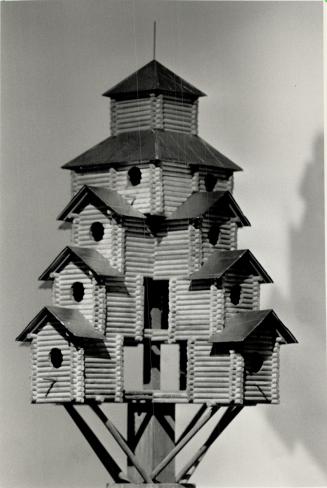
153, 302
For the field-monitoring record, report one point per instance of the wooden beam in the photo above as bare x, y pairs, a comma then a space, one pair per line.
173, 453
187, 471
108, 462
121, 442
194, 420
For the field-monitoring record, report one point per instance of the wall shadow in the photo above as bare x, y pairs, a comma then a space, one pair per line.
301, 417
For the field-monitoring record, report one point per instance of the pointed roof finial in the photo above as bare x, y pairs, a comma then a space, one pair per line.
154, 38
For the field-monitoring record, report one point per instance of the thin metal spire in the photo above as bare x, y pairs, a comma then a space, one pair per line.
154, 38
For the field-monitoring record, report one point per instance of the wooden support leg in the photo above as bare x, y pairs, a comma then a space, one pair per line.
157, 439
189, 468
173, 453
108, 462
191, 424
121, 442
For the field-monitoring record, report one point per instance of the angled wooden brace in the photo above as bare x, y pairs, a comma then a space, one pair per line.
179, 446
108, 462
121, 442
194, 420
229, 414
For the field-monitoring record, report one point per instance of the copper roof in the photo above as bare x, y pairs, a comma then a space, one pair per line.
71, 319
220, 262
241, 325
151, 145
153, 77
92, 259
110, 199
200, 203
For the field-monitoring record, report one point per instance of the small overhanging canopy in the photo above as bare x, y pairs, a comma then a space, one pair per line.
199, 203
70, 319
100, 197
239, 327
222, 261
92, 259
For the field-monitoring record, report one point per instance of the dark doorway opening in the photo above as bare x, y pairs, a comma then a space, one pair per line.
156, 303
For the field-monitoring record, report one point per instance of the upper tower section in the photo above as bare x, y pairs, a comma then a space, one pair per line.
154, 98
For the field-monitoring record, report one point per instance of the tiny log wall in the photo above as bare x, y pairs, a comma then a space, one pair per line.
177, 184
171, 252
139, 195
180, 115
258, 384
249, 298
212, 375
81, 230
154, 112
91, 178
103, 369
227, 234
63, 289
224, 179
139, 248
130, 115
192, 311
44, 374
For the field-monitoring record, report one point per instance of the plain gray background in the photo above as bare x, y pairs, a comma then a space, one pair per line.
260, 64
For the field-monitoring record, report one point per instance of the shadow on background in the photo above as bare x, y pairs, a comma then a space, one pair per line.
301, 417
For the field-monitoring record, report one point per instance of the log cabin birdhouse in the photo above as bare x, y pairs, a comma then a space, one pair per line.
153, 302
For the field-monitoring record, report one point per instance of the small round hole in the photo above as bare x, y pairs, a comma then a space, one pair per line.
253, 361
56, 358
210, 181
135, 176
97, 231
213, 234
78, 291
235, 294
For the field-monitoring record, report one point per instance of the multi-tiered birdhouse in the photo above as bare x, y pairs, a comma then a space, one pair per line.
152, 302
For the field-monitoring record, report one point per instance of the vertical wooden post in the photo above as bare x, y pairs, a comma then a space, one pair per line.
151, 435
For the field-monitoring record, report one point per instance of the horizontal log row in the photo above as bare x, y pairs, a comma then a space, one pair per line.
130, 114
121, 314
171, 253
94, 178
226, 234
192, 311
102, 367
177, 184
139, 254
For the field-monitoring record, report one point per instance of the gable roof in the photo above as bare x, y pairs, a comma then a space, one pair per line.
151, 145
241, 325
92, 259
110, 199
71, 319
220, 262
153, 77
199, 203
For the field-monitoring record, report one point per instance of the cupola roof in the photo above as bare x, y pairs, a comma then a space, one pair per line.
155, 78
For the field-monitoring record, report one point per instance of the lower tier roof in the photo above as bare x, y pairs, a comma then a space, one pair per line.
151, 145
